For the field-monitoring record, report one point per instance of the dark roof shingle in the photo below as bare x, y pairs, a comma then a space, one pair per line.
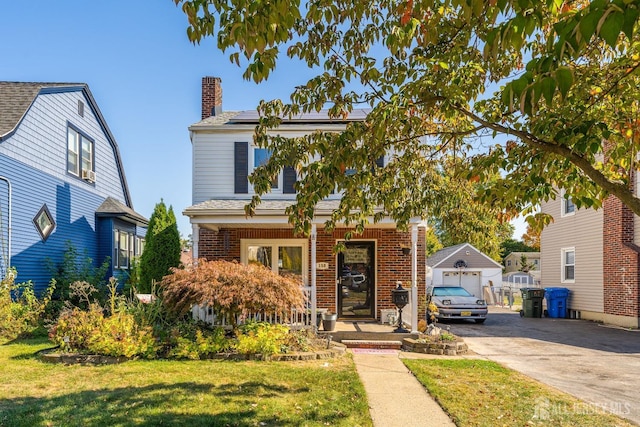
15, 99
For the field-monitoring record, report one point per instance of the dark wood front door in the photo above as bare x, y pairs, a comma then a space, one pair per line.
356, 281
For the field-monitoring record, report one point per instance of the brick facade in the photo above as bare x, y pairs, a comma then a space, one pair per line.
621, 265
391, 265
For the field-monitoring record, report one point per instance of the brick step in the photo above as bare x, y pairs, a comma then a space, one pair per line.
380, 344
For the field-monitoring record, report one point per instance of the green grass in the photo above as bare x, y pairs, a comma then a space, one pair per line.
174, 393
483, 393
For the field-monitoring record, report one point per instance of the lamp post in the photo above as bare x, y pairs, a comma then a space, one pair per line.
400, 297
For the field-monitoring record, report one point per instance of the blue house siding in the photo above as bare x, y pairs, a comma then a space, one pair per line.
40, 141
72, 209
33, 158
105, 241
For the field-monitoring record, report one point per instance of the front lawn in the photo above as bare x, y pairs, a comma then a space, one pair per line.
483, 393
190, 393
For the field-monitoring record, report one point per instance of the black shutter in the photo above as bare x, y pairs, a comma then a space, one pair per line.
380, 161
241, 168
288, 180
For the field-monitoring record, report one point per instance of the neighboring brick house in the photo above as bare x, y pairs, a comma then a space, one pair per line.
595, 254
61, 180
356, 284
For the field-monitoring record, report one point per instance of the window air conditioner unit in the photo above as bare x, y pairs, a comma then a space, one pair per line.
89, 176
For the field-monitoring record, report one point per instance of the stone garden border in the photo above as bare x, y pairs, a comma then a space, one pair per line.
445, 348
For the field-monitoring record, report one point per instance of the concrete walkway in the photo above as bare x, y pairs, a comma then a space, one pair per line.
395, 396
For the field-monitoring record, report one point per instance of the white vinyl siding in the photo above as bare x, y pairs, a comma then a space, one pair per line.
47, 122
583, 233
213, 160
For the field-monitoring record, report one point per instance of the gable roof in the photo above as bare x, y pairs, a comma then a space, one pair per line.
113, 208
16, 99
453, 253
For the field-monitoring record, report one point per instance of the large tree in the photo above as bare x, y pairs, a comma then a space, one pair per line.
162, 247
558, 80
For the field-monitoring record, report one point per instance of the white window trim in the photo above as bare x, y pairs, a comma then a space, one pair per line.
252, 168
563, 252
78, 151
275, 243
563, 206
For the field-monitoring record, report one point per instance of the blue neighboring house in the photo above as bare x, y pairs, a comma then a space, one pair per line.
61, 180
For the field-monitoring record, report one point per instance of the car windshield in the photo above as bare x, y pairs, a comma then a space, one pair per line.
453, 291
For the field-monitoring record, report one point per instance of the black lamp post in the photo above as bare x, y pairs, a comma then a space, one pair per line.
400, 297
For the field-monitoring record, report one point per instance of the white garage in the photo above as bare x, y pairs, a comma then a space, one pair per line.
463, 265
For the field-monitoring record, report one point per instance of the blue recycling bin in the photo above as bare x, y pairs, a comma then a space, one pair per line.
556, 302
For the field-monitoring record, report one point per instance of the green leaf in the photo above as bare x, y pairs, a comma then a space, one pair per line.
588, 25
611, 28
564, 80
548, 87
630, 18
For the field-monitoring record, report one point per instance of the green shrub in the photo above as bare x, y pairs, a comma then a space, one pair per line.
262, 338
21, 312
89, 331
76, 268
190, 341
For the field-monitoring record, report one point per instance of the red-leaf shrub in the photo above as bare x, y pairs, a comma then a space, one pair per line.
231, 289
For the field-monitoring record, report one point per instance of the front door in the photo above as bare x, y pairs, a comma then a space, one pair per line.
356, 281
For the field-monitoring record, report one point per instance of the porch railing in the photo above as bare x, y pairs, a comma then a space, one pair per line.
295, 319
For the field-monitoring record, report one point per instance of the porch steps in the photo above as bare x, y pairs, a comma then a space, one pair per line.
377, 344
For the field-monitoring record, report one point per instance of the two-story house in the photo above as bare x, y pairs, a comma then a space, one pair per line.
596, 255
355, 283
513, 262
61, 181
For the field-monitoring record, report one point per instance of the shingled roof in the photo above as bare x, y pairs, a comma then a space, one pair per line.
113, 208
17, 97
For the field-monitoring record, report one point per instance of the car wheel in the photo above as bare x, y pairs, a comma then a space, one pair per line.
480, 321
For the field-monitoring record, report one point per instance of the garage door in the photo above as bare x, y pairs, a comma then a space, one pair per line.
470, 280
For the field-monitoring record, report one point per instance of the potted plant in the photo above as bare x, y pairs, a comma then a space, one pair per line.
329, 320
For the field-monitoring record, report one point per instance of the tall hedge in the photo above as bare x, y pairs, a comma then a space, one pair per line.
162, 247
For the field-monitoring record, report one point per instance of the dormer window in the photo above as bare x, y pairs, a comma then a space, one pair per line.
80, 155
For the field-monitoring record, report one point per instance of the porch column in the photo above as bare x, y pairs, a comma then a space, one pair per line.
314, 236
414, 278
195, 241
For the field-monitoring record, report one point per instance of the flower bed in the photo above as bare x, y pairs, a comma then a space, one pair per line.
431, 345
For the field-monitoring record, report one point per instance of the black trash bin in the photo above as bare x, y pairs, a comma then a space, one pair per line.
531, 302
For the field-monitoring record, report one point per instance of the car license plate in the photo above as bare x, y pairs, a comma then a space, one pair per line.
465, 313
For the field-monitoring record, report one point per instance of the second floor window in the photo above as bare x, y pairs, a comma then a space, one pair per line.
260, 157
568, 207
80, 151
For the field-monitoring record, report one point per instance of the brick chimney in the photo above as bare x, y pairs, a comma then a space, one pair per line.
211, 96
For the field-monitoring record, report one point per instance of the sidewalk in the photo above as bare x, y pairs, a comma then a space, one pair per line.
395, 396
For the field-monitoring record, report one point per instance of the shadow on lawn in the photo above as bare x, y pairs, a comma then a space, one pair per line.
158, 404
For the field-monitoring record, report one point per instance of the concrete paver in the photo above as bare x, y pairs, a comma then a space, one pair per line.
395, 396
596, 364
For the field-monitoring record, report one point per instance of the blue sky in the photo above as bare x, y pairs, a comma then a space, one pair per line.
145, 76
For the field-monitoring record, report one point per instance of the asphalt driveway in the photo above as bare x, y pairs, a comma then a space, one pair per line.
598, 364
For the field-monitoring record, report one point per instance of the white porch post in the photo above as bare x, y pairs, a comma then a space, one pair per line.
414, 278
314, 236
195, 240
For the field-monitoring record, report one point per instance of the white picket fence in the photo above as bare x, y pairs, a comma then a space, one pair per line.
297, 319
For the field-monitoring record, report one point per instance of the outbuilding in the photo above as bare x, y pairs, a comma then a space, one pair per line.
464, 265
